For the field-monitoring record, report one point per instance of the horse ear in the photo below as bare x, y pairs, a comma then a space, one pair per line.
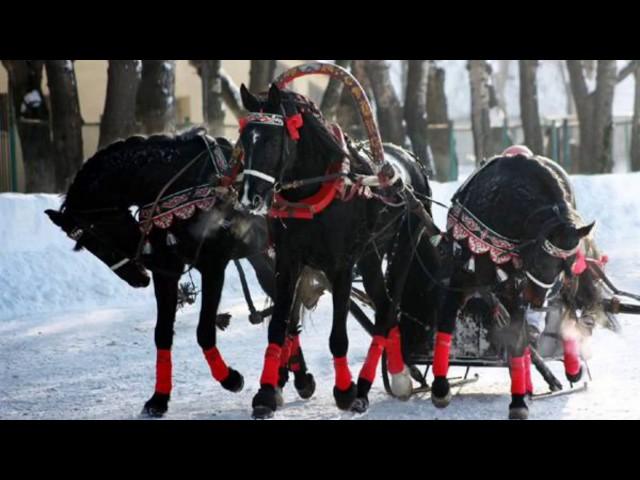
586, 230
249, 100
274, 95
55, 217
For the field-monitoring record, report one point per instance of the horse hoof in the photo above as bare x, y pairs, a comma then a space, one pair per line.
401, 385
305, 386
345, 398
575, 378
156, 406
262, 413
234, 381
440, 392
518, 413
264, 402
360, 405
518, 409
279, 397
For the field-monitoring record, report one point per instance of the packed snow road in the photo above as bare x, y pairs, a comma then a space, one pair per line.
77, 343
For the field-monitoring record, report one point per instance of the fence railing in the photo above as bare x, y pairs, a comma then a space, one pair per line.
560, 135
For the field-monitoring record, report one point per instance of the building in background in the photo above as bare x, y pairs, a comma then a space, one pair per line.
91, 76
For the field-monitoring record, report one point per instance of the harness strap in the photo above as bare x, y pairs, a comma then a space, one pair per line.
258, 174
120, 264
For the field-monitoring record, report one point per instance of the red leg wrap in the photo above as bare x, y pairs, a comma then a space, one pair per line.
271, 365
441, 354
295, 351
394, 351
343, 374
219, 369
286, 352
163, 372
518, 376
368, 371
527, 370
571, 356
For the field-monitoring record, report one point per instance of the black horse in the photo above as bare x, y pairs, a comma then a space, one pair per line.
294, 163
511, 232
575, 305
189, 216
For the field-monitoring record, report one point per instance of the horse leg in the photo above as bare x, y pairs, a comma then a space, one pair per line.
448, 311
212, 283
166, 291
571, 350
344, 390
265, 402
518, 409
386, 327
292, 358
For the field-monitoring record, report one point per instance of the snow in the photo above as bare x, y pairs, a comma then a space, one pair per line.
77, 342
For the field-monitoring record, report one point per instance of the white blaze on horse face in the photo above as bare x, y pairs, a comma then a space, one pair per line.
255, 136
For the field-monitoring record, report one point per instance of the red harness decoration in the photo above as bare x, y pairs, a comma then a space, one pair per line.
308, 207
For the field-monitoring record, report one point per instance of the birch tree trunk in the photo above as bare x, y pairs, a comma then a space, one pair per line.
119, 116
415, 110
480, 120
331, 98
156, 96
66, 121
595, 115
529, 106
212, 98
635, 129
388, 107
32, 118
260, 75
438, 123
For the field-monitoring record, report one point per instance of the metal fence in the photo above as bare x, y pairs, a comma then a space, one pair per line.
8, 156
560, 135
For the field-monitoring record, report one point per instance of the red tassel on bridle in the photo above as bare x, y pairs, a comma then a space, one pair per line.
580, 264
294, 122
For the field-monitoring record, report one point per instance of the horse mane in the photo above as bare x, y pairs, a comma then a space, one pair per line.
534, 169
134, 151
314, 120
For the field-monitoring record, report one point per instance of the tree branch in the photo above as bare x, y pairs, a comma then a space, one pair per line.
627, 70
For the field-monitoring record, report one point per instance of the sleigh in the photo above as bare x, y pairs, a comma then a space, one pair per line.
478, 343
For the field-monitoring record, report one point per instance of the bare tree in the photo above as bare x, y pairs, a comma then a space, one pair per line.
156, 96
501, 77
261, 74
388, 107
562, 68
595, 115
32, 117
529, 105
347, 113
415, 109
119, 116
231, 95
331, 98
212, 98
480, 120
635, 129
66, 121
438, 123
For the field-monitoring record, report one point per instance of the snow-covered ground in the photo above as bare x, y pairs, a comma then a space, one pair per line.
77, 342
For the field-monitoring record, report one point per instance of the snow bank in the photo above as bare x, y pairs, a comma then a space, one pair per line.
40, 272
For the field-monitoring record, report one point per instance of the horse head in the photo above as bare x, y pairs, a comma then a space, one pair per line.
111, 236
